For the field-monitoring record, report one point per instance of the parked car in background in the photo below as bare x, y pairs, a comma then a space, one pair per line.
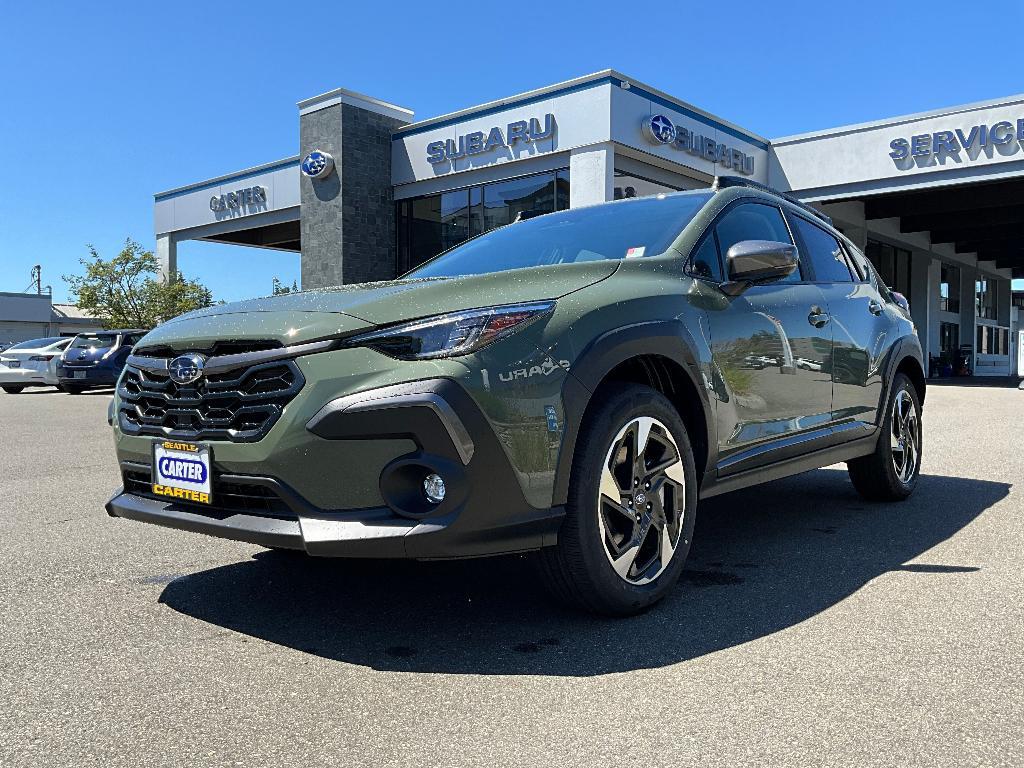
96, 359
31, 363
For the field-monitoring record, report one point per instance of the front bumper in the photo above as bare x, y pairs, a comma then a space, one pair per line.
485, 511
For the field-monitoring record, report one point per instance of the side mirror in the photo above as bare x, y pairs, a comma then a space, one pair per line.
750, 262
901, 301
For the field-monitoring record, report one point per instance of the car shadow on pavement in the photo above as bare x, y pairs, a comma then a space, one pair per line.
762, 560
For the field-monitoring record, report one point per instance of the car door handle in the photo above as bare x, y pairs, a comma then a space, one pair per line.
875, 307
818, 317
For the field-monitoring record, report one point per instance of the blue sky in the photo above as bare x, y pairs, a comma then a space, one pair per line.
103, 104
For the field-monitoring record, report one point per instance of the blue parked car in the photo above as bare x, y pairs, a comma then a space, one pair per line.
96, 359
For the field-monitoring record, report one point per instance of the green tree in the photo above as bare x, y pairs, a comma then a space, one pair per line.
127, 292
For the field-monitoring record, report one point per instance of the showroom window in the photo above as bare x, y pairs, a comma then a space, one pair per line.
892, 265
993, 341
627, 185
985, 298
949, 289
432, 224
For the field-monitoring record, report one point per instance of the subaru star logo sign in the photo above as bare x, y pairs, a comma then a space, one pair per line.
186, 369
317, 164
659, 129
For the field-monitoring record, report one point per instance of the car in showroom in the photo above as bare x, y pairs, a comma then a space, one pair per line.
96, 359
31, 363
571, 383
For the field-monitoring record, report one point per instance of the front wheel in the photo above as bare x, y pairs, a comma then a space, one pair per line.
12, 390
631, 508
891, 472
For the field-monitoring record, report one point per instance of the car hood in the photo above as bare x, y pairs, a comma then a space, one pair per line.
293, 318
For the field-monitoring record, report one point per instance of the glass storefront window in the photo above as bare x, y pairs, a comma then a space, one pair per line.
949, 289
892, 265
949, 338
429, 225
529, 196
628, 185
993, 341
985, 298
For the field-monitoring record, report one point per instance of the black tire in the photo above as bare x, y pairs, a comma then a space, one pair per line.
71, 389
12, 390
579, 568
886, 474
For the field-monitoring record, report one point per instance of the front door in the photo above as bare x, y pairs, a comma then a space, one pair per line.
771, 347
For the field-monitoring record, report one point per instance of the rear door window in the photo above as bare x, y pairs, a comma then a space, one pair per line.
753, 221
824, 252
858, 263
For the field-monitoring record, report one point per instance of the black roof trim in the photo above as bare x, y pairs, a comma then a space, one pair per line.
724, 182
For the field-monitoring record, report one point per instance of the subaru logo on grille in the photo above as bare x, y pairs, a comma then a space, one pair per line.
659, 129
186, 369
317, 164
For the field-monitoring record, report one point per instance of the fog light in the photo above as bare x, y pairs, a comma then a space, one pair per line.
433, 488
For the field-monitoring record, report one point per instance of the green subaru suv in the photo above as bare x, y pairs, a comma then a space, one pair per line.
571, 383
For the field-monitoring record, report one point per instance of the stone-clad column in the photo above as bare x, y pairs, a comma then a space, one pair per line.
348, 217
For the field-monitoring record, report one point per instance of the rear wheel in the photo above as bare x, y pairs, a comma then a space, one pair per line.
891, 472
631, 508
12, 389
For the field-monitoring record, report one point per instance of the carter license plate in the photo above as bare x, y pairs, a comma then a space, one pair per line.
182, 471
79, 374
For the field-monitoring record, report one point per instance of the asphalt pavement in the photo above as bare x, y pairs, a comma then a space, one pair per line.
810, 628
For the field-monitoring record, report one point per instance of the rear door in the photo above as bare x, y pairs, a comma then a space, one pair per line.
860, 325
770, 347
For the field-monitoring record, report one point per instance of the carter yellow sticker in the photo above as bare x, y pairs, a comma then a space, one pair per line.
185, 494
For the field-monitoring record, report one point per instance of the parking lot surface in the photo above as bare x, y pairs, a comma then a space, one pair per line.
809, 628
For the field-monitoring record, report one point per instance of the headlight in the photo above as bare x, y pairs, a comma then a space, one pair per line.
457, 333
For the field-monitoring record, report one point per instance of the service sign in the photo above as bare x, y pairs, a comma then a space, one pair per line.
182, 471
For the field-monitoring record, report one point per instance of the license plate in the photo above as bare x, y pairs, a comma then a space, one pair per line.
79, 374
182, 471
14, 363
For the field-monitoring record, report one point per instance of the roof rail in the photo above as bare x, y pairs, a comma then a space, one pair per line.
723, 182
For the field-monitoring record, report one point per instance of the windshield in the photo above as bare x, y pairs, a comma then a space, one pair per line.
628, 229
35, 343
95, 341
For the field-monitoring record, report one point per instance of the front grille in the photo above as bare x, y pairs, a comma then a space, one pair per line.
224, 347
228, 496
240, 405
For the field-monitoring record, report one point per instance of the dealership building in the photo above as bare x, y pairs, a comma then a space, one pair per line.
935, 200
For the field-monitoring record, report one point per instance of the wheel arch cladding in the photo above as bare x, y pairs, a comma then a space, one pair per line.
904, 356
657, 354
910, 367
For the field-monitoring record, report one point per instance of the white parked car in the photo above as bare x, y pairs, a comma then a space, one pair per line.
31, 364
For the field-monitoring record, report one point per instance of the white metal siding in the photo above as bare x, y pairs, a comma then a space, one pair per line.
15, 332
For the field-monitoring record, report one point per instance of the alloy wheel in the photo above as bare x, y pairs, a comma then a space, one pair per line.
642, 500
904, 437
